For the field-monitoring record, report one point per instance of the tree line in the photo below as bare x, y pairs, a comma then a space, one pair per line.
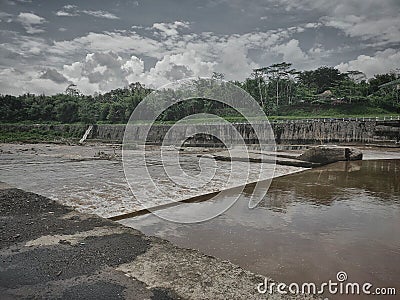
278, 88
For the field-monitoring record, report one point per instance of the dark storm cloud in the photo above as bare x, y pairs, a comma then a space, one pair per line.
53, 75
179, 72
102, 44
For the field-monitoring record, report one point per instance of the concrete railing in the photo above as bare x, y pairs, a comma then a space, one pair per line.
326, 119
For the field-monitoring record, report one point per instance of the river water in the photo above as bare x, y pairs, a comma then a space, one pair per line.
311, 225
76, 176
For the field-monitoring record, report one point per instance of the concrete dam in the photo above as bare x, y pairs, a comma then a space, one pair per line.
287, 132
298, 132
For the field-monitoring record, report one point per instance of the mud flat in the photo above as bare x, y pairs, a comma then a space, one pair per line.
50, 251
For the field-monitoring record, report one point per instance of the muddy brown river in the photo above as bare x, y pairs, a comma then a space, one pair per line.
311, 225
78, 177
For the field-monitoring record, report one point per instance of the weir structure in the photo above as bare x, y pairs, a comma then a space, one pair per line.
309, 131
287, 132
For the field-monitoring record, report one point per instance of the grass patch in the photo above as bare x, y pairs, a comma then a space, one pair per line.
34, 136
339, 111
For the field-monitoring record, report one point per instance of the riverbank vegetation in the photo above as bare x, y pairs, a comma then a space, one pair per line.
36, 135
282, 91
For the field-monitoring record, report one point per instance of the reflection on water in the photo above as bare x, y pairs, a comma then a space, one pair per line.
345, 216
339, 181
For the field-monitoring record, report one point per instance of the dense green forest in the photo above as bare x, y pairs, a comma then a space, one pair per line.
279, 89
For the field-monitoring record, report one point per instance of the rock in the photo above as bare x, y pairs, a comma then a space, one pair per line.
329, 154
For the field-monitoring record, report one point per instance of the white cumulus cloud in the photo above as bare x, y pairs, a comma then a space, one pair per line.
170, 29
381, 62
73, 11
31, 22
291, 51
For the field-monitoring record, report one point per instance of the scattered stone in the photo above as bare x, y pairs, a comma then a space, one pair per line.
64, 242
328, 154
107, 156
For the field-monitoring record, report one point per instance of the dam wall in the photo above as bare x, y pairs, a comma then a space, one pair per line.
317, 131
287, 132
329, 131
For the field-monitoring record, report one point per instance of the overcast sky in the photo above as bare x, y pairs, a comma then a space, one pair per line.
100, 45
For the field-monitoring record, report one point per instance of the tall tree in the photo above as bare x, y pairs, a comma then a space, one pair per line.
277, 72
323, 78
